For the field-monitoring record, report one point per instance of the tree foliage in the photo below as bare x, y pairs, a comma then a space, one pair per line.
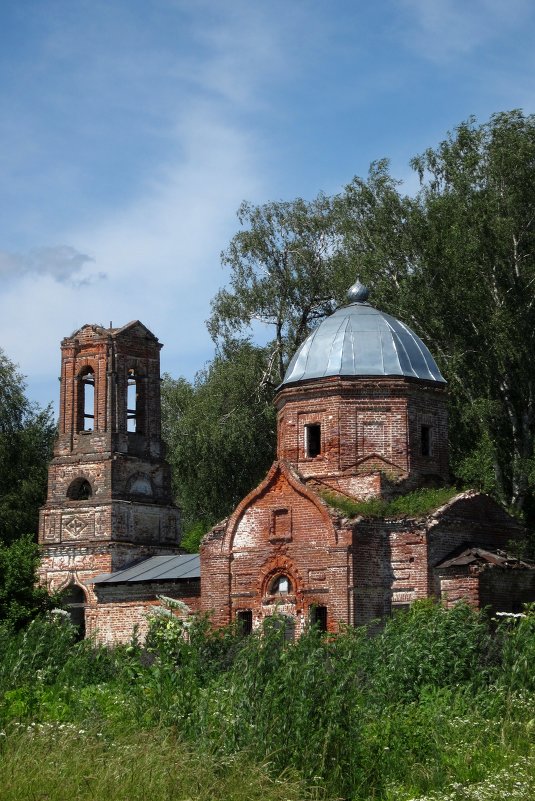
220, 433
456, 262
26, 438
281, 274
20, 598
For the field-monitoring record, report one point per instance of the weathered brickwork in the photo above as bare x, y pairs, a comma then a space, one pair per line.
280, 529
283, 550
109, 500
369, 427
359, 570
122, 611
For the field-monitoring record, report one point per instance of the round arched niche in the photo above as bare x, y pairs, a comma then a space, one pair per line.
140, 486
80, 489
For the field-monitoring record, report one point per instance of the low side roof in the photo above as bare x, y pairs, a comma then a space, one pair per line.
155, 568
474, 555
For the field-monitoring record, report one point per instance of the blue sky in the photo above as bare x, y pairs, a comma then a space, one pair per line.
131, 131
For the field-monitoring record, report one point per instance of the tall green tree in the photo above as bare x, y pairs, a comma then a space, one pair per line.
281, 274
472, 288
456, 262
26, 439
220, 433
20, 598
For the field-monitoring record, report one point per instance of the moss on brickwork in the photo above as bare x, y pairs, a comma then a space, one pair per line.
418, 503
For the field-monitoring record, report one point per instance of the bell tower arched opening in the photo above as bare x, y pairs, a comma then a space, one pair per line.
135, 402
86, 400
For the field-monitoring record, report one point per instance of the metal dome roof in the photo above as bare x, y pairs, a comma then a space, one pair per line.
360, 340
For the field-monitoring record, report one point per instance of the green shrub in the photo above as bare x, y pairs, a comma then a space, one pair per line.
518, 649
430, 646
433, 698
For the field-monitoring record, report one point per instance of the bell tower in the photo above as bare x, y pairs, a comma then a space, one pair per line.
109, 499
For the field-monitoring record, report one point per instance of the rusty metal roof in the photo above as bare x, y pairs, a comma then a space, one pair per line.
359, 340
156, 568
481, 556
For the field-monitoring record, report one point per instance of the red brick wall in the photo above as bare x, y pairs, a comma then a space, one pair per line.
390, 567
122, 609
366, 425
460, 586
238, 568
470, 519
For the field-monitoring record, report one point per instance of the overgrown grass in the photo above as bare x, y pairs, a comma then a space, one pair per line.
62, 763
435, 704
414, 504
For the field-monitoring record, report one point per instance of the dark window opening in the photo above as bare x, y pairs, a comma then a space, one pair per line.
245, 621
134, 403
318, 617
425, 440
86, 400
312, 440
79, 490
74, 603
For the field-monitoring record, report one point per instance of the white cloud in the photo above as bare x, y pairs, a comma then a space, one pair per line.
61, 262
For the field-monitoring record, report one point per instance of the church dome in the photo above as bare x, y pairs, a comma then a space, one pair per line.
358, 340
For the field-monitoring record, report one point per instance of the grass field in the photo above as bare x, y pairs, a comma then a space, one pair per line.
438, 705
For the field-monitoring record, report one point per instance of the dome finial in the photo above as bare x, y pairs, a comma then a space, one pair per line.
358, 293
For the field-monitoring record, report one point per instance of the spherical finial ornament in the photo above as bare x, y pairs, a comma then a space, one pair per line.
358, 293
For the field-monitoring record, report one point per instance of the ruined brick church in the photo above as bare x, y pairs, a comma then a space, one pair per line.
361, 414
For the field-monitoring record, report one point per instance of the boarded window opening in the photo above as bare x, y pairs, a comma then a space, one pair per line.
425, 440
134, 403
79, 490
312, 440
245, 621
318, 617
86, 400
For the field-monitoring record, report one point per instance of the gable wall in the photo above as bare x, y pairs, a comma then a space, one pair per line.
280, 530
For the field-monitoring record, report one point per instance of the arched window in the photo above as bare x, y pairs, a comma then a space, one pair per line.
80, 490
86, 399
134, 402
74, 602
281, 585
